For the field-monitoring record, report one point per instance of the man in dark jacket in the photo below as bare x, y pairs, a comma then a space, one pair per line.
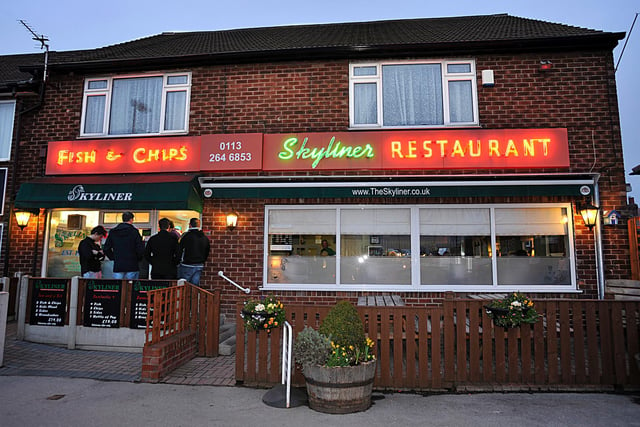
193, 252
124, 246
90, 254
162, 252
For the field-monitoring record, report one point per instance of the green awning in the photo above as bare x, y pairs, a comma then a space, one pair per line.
166, 192
298, 188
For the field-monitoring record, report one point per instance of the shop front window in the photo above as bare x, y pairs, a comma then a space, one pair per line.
302, 246
532, 247
455, 246
421, 247
375, 246
67, 230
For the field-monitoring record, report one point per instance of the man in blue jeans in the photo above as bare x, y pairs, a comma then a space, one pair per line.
193, 252
125, 247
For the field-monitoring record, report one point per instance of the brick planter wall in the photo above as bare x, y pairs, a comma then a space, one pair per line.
160, 359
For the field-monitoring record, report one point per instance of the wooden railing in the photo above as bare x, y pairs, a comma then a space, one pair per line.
171, 311
594, 344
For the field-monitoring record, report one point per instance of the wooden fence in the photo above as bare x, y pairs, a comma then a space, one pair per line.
575, 344
171, 311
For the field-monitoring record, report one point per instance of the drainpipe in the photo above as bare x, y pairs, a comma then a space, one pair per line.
600, 276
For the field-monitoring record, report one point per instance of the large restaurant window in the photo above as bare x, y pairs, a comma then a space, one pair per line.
426, 247
416, 94
139, 105
67, 228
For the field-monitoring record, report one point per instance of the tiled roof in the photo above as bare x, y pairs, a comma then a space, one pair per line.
10, 73
357, 36
339, 40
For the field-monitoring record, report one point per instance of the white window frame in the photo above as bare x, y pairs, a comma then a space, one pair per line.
446, 78
107, 93
9, 142
415, 285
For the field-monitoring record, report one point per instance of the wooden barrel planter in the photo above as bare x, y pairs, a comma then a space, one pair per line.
340, 390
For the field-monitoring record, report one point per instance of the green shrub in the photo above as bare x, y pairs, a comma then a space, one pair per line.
344, 326
311, 348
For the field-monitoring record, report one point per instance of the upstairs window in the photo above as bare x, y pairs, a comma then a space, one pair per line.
413, 94
7, 113
139, 105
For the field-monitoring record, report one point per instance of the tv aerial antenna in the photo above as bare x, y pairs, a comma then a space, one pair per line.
43, 45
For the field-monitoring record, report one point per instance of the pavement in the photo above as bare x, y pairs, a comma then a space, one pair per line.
43, 385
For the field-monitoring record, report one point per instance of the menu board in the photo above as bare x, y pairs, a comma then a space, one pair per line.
48, 302
102, 303
139, 300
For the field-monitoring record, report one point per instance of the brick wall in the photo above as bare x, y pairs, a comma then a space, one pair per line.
579, 94
160, 359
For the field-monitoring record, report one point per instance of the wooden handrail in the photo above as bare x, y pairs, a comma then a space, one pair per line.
171, 311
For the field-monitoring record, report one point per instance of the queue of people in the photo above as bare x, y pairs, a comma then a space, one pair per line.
171, 255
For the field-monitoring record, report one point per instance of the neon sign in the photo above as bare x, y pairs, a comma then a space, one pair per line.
127, 155
441, 149
380, 150
330, 151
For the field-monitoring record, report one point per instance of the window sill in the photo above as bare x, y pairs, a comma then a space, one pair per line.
437, 127
138, 135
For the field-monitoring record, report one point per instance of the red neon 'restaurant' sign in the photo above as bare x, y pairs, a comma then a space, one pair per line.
128, 155
446, 149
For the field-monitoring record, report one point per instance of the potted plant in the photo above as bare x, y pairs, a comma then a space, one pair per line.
263, 314
337, 362
512, 311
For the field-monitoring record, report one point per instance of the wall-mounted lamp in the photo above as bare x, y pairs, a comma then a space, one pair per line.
589, 214
546, 65
22, 218
232, 220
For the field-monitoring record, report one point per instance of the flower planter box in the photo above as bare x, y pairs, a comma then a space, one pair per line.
340, 390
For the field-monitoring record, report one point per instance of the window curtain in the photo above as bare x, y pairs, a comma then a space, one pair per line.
531, 222
375, 221
412, 94
7, 111
460, 101
302, 221
94, 118
454, 222
365, 104
135, 106
175, 110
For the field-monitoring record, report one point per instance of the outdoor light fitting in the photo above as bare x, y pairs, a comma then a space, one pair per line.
232, 220
589, 214
22, 218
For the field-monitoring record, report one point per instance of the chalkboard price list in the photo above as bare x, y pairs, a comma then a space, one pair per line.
48, 302
102, 303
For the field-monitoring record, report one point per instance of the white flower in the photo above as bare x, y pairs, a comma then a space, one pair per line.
259, 307
516, 304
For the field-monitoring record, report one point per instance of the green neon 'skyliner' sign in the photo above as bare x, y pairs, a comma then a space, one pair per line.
333, 150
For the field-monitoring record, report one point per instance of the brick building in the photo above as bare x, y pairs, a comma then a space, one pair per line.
432, 155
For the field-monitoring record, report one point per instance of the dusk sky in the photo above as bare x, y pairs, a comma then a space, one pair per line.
73, 24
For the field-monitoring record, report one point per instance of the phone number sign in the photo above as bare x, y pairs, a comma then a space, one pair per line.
230, 152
